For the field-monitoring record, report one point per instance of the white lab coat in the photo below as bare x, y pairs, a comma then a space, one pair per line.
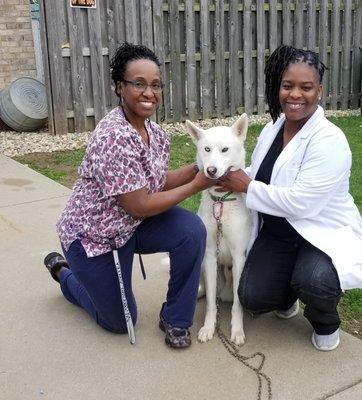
309, 187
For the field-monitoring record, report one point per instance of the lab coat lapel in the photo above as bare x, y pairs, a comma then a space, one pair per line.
290, 149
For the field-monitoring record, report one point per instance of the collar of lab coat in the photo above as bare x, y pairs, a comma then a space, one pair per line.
308, 129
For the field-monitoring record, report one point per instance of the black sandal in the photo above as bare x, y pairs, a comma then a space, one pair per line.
177, 338
53, 262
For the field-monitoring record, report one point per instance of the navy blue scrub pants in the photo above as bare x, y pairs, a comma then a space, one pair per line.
92, 283
279, 271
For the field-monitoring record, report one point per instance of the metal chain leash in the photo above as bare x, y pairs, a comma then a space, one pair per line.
234, 351
231, 347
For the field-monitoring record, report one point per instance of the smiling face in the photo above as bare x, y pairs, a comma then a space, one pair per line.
140, 104
300, 92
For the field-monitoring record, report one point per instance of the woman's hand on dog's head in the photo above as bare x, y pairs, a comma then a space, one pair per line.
234, 181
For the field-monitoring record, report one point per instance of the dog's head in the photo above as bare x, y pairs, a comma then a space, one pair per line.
220, 149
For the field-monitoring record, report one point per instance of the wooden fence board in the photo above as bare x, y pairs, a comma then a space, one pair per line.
287, 26
312, 19
56, 19
159, 48
120, 18
273, 25
146, 23
76, 37
97, 64
357, 57
335, 63
260, 57
234, 84
247, 33
299, 24
116, 35
175, 61
191, 61
221, 102
206, 95
323, 37
346, 52
131, 21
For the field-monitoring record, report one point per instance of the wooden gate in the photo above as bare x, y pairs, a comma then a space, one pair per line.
212, 53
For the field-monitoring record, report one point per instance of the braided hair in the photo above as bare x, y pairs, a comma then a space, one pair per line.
125, 53
275, 66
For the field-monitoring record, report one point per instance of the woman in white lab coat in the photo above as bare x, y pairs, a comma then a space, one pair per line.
307, 234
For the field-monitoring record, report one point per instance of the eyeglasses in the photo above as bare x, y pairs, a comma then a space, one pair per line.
141, 86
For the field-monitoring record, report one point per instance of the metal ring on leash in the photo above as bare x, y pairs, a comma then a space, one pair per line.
127, 314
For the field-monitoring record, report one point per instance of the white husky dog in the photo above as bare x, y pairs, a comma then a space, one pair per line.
219, 150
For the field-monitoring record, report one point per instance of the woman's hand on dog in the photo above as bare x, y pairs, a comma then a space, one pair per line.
202, 182
234, 181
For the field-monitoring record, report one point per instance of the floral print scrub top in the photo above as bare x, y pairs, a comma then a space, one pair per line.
116, 161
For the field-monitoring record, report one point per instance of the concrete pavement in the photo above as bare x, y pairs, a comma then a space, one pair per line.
50, 349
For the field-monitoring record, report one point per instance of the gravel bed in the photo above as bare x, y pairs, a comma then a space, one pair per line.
20, 143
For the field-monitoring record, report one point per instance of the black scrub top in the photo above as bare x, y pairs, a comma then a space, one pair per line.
277, 226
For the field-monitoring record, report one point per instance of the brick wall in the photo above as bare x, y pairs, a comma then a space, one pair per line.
17, 56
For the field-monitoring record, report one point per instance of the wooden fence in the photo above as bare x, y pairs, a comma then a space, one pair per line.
212, 53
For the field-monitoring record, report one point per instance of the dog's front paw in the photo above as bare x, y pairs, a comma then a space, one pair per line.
238, 337
206, 333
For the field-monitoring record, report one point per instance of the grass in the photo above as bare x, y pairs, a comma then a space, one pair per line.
352, 127
62, 167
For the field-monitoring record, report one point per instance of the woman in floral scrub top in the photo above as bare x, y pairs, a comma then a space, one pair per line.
126, 197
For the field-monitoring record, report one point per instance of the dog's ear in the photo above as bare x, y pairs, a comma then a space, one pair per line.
240, 126
194, 131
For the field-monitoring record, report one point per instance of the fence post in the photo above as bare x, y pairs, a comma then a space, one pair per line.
46, 67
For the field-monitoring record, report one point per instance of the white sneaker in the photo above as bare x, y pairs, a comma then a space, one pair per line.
290, 313
326, 342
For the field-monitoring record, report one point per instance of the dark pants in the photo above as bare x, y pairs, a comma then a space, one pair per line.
92, 283
278, 272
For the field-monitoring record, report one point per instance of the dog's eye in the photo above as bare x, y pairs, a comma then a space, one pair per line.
207, 149
225, 149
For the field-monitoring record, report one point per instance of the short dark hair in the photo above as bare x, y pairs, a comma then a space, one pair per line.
125, 53
277, 63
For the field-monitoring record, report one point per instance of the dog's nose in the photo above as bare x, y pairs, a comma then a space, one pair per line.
211, 171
